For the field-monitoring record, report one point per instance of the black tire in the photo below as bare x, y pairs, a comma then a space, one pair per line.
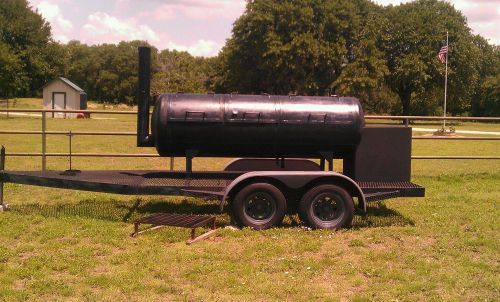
259, 206
327, 207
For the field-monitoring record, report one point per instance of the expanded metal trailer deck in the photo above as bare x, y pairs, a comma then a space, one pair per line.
148, 182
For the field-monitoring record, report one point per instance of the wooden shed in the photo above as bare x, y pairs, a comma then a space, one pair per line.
61, 93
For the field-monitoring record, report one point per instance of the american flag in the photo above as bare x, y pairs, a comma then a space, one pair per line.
442, 54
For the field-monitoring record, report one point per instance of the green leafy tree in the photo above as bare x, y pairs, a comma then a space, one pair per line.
488, 103
413, 36
364, 78
28, 46
13, 79
364, 75
308, 47
180, 71
292, 46
84, 66
108, 72
486, 98
117, 78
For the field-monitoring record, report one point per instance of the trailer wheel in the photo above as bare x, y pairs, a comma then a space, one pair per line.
327, 207
259, 206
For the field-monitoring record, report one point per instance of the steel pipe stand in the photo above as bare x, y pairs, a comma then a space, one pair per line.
160, 220
201, 237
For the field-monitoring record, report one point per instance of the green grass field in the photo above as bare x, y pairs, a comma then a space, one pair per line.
59, 245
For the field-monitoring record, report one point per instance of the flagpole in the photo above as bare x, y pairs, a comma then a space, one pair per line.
445, 81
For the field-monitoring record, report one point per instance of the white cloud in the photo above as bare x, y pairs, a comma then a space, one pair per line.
489, 30
104, 28
200, 48
101, 27
62, 38
483, 16
200, 9
52, 13
162, 13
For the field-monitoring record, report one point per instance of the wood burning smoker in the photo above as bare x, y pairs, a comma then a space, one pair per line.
275, 138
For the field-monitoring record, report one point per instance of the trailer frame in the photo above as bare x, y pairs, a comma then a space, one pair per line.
219, 185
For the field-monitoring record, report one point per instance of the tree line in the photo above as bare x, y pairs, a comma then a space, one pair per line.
386, 56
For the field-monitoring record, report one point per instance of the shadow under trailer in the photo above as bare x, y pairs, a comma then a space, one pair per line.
274, 139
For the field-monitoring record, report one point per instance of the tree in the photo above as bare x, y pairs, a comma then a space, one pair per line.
84, 65
117, 77
27, 45
486, 98
292, 46
411, 53
364, 75
180, 71
108, 72
13, 79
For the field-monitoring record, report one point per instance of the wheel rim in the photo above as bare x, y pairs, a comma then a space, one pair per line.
327, 207
260, 207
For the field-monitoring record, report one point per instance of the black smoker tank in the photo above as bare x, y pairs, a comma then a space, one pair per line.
229, 125
232, 125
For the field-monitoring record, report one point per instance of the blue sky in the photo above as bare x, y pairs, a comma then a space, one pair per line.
197, 26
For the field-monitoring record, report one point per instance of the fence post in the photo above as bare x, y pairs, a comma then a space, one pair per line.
44, 140
70, 151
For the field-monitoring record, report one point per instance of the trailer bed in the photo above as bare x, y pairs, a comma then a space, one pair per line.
150, 182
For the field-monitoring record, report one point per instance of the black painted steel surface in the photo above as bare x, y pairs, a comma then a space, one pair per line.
231, 125
143, 138
136, 182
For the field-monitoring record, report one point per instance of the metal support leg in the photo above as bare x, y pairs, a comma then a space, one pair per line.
326, 156
189, 165
3, 206
190, 154
349, 166
136, 229
2, 159
322, 164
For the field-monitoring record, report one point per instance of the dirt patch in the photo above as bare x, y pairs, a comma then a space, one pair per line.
100, 270
27, 255
20, 284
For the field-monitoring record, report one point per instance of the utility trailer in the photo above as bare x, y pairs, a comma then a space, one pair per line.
277, 136
264, 192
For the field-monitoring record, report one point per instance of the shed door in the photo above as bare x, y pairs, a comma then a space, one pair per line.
59, 102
